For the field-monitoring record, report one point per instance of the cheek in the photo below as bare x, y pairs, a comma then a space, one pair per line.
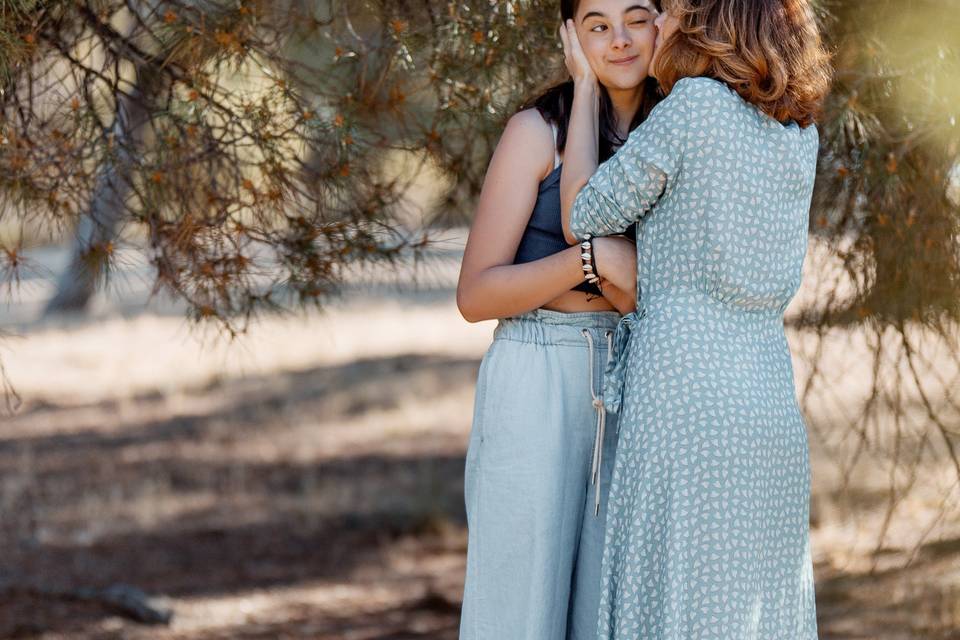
594, 48
647, 39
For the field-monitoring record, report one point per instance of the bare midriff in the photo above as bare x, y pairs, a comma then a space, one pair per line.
576, 301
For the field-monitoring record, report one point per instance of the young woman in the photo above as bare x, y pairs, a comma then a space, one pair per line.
707, 523
538, 461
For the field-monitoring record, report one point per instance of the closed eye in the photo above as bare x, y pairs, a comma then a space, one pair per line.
640, 15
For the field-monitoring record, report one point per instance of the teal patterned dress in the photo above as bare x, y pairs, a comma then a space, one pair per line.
707, 533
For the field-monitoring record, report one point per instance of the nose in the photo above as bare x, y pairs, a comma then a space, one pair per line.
621, 38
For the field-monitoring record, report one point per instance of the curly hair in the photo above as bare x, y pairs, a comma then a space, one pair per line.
768, 51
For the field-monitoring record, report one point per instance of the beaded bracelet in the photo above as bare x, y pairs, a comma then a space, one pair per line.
586, 258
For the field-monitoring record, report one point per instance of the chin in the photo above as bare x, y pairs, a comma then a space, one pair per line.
624, 84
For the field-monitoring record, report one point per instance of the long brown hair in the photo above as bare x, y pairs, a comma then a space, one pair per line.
556, 102
768, 51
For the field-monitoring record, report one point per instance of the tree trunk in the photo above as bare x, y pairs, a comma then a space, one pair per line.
86, 269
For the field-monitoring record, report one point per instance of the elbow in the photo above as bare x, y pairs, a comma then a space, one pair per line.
467, 306
566, 223
568, 234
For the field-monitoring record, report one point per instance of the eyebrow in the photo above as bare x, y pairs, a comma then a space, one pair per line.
635, 7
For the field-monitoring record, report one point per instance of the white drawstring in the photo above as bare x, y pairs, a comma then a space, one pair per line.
601, 418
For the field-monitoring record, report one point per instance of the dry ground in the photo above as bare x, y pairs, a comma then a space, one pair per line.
307, 483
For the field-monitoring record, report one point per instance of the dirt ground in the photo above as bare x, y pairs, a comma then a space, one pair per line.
307, 483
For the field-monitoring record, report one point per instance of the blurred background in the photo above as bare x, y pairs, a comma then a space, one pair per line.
236, 390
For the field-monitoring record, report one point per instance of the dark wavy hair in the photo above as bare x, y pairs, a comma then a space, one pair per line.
768, 51
555, 103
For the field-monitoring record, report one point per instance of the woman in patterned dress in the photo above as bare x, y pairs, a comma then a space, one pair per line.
707, 534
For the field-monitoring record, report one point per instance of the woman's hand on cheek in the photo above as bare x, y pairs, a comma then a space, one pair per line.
573, 55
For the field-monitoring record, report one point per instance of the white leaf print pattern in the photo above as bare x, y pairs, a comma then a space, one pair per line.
707, 531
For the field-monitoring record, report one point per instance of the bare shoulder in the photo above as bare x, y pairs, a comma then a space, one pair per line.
532, 122
530, 136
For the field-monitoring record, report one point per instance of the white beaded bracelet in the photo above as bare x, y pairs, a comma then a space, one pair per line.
586, 258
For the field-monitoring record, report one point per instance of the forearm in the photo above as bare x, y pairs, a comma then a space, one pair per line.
623, 301
582, 148
508, 290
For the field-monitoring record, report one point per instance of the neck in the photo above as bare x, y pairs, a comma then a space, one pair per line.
626, 103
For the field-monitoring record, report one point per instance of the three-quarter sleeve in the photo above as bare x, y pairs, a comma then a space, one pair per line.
627, 185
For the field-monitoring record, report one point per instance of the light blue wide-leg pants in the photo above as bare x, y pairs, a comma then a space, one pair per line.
535, 540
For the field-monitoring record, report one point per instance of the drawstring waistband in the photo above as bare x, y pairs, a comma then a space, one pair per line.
601, 417
546, 327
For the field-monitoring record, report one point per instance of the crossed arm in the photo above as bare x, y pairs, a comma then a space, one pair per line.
490, 285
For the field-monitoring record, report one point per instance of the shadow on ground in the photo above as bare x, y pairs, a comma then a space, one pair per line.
324, 503
235, 490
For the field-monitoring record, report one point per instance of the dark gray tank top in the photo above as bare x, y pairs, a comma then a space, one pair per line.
544, 233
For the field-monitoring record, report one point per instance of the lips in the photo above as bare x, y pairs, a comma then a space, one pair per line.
624, 61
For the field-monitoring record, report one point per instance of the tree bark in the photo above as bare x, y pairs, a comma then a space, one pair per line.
99, 225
